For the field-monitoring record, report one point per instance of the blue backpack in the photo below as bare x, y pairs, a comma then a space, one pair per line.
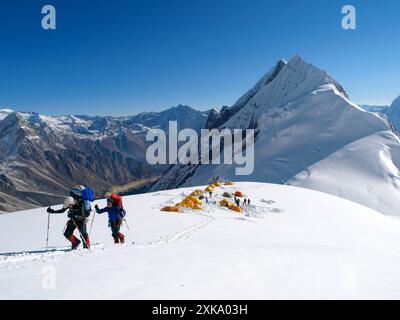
88, 197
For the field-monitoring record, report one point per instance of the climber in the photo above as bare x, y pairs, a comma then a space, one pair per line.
78, 214
116, 214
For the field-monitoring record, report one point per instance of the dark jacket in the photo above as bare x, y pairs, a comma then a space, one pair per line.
115, 213
77, 212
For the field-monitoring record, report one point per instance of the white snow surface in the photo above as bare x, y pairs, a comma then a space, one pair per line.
290, 243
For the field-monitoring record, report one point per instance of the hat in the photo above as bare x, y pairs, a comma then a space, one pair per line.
68, 202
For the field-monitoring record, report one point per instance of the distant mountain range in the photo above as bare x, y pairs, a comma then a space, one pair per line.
373, 108
41, 157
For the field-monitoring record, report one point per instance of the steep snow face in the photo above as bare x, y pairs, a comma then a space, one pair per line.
301, 117
364, 182
295, 80
393, 113
290, 243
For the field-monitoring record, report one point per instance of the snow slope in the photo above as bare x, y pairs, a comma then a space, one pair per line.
371, 177
290, 243
393, 113
302, 117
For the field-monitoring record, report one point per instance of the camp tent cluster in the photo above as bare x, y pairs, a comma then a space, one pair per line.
190, 202
194, 202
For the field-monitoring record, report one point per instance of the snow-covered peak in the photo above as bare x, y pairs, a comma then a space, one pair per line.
284, 84
265, 80
282, 60
4, 113
396, 103
300, 74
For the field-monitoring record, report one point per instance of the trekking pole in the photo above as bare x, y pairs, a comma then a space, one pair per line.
91, 225
126, 223
48, 229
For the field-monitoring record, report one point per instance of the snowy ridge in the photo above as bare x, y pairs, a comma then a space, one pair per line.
301, 117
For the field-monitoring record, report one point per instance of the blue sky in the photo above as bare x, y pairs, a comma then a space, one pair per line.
122, 57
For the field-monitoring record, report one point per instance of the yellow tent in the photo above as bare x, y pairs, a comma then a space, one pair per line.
190, 203
229, 183
187, 203
194, 199
197, 193
209, 189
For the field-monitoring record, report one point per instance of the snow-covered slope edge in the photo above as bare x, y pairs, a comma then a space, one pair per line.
393, 113
375, 182
291, 243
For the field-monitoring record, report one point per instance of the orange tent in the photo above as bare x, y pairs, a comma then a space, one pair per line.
239, 194
170, 209
236, 208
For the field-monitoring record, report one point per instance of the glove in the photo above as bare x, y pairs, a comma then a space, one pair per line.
50, 210
96, 207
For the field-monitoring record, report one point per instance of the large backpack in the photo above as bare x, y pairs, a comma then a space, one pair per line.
86, 194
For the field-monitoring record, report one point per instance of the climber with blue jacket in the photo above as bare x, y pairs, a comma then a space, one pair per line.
116, 214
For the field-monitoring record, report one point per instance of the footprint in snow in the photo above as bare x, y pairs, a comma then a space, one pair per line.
268, 201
